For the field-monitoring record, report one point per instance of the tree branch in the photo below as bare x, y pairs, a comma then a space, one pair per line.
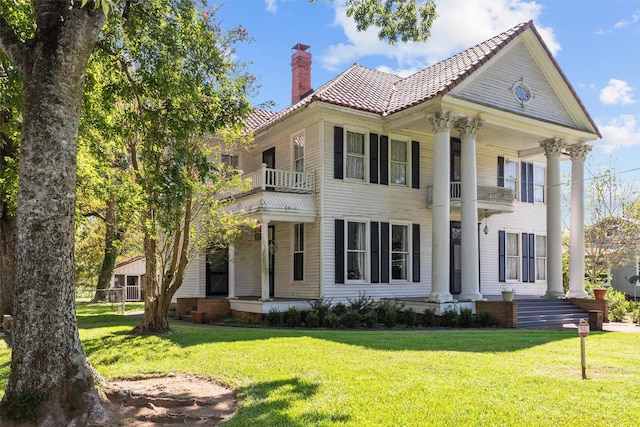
11, 45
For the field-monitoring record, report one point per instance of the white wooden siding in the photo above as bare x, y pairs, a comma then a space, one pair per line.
493, 87
193, 284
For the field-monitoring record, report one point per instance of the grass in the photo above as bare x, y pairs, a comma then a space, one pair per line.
379, 378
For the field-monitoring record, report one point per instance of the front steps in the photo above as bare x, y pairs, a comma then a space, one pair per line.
548, 313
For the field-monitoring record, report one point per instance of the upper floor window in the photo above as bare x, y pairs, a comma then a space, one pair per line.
230, 160
526, 179
298, 152
355, 156
399, 160
511, 175
538, 184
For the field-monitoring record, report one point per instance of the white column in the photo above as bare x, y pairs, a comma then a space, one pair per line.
440, 243
264, 260
578, 154
552, 148
232, 272
468, 129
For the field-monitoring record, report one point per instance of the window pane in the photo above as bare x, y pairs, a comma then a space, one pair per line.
355, 143
356, 236
512, 244
399, 266
355, 167
399, 240
398, 173
398, 151
511, 170
541, 246
512, 268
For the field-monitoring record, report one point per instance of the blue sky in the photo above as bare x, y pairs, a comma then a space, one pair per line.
596, 43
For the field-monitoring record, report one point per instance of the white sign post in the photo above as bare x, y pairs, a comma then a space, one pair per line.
583, 331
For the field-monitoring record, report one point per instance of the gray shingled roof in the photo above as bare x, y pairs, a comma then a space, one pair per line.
364, 89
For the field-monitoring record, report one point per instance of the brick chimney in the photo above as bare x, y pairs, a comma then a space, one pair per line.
300, 72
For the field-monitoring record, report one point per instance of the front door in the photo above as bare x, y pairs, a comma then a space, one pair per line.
217, 272
272, 260
455, 280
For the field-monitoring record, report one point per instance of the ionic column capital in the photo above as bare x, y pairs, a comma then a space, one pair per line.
468, 127
552, 147
441, 121
578, 152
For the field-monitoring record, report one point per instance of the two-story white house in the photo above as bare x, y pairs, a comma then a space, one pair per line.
442, 185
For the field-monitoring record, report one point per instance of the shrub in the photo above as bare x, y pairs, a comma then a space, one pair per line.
485, 319
467, 319
450, 318
312, 319
331, 320
370, 318
618, 305
292, 317
362, 304
322, 306
351, 318
387, 313
410, 317
429, 317
274, 318
339, 309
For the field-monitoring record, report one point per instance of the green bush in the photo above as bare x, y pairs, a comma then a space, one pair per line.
467, 319
362, 304
387, 313
370, 318
339, 309
410, 317
618, 305
351, 318
331, 320
450, 318
322, 306
312, 319
485, 319
429, 317
274, 318
292, 317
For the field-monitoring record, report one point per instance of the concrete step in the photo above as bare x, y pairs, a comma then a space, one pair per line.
545, 313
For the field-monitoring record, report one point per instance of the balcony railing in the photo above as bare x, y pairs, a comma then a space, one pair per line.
500, 195
266, 179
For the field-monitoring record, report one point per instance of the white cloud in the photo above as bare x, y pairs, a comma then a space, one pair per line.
620, 132
635, 17
617, 92
271, 6
460, 25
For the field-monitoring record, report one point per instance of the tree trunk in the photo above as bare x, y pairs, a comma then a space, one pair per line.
7, 259
111, 236
50, 382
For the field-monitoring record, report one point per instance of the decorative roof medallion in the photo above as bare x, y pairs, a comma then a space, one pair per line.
521, 92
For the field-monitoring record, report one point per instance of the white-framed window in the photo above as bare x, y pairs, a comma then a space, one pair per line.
399, 161
355, 159
400, 259
231, 160
298, 252
541, 257
511, 176
512, 256
298, 152
538, 184
356, 250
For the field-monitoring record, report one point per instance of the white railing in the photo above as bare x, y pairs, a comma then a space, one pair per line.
133, 293
485, 194
281, 180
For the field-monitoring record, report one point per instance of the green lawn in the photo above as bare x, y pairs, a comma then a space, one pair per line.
378, 378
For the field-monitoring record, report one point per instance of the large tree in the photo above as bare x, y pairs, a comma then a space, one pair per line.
612, 234
50, 382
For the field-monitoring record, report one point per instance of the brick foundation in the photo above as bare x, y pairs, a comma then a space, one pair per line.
254, 317
592, 304
186, 305
215, 309
504, 312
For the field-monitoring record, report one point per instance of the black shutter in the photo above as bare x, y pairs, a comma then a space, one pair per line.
415, 164
375, 253
525, 257
338, 152
339, 254
416, 252
502, 257
530, 182
373, 158
384, 252
532, 257
523, 182
384, 160
500, 171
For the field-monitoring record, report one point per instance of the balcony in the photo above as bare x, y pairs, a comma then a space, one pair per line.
497, 199
275, 194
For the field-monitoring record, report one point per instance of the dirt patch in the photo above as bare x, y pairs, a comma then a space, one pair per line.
168, 401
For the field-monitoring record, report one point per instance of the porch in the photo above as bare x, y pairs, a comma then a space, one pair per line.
491, 199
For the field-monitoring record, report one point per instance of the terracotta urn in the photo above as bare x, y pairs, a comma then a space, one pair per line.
599, 293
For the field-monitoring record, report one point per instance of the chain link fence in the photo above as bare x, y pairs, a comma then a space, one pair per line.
115, 297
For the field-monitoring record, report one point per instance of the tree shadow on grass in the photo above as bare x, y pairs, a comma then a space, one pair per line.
269, 403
